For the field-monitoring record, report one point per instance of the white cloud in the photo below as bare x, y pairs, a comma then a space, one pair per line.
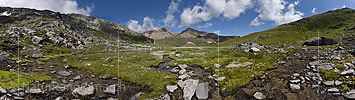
314, 10
275, 10
205, 26
146, 26
218, 32
63, 6
256, 22
213, 9
344, 6
169, 20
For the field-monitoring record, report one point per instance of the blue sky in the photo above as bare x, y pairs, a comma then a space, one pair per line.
227, 17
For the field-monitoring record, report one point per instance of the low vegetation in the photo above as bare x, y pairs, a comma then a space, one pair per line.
14, 79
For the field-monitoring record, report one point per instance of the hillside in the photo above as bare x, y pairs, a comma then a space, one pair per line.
48, 32
332, 24
160, 33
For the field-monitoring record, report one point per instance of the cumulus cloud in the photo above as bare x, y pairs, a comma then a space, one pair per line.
314, 10
205, 26
63, 6
256, 22
169, 20
146, 26
213, 9
218, 32
276, 10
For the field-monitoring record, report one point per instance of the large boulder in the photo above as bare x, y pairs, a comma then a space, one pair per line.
189, 89
83, 92
319, 41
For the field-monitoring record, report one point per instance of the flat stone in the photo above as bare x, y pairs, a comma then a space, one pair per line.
171, 88
219, 78
202, 91
2, 90
325, 67
59, 98
64, 73
181, 84
182, 71
35, 91
83, 92
329, 83
295, 86
184, 76
216, 65
189, 89
254, 49
175, 70
338, 82
348, 72
350, 94
333, 90
66, 66
111, 89
259, 96
183, 66
295, 81
238, 65
77, 77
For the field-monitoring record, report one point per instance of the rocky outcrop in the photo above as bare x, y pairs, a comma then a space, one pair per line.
160, 33
83, 92
250, 47
319, 41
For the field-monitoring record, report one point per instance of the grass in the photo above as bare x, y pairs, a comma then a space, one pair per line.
235, 77
52, 56
133, 67
21, 59
330, 24
18, 79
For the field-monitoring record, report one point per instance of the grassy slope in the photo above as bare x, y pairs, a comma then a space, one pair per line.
329, 24
18, 79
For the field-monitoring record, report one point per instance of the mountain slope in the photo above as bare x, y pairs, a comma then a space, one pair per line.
332, 24
160, 33
48, 32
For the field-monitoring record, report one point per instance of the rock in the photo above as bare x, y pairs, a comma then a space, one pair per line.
64, 73
166, 97
295, 81
77, 77
238, 65
181, 84
3, 55
259, 96
2, 90
202, 91
35, 91
64, 82
254, 49
182, 71
329, 83
183, 66
37, 55
219, 78
175, 70
338, 82
105, 76
136, 96
66, 66
171, 88
216, 65
182, 77
83, 92
192, 73
326, 67
111, 89
315, 41
350, 94
295, 74
59, 98
112, 99
333, 90
295, 86
348, 72
189, 89
18, 98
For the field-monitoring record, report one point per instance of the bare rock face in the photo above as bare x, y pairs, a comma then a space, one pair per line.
160, 33
319, 41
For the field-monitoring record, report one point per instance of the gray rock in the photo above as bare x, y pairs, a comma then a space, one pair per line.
2, 90
37, 55
18, 98
315, 41
182, 71
248, 47
183, 66
333, 90
165, 97
295, 86
350, 94
254, 49
3, 55
35, 91
105, 76
136, 96
112, 99
216, 65
189, 89
219, 78
348, 72
59, 98
181, 84
64, 73
77, 77
175, 70
171, 88
83, 92
192, 73
64, 82
329, 83
338, 82
326, 67
233, 64
184, 76
202, 91
295, 81
259, 96
111, 89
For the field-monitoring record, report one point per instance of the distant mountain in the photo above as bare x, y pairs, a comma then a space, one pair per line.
335, 24
188, 36
160, 33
